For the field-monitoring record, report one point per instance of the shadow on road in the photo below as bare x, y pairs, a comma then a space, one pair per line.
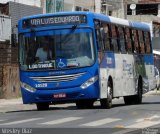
95, 107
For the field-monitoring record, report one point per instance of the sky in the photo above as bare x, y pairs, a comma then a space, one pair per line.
28, 2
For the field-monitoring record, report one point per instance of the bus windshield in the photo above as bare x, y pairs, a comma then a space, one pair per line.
58, 49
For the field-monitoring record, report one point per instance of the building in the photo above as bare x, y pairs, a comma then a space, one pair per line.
25, 2
51, 6
17, 11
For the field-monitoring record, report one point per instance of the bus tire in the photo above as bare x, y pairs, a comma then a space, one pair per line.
107, 102
135, 99
128, 100
138, 97
42, 106
82, 104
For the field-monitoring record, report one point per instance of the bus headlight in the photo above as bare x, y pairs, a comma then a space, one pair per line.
89, 82
27, 87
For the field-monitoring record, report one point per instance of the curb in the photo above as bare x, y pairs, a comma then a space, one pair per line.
4, 102
153, 92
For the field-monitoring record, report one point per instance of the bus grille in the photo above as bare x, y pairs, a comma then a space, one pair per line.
60, 78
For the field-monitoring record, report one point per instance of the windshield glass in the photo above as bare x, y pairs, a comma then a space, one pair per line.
60, 49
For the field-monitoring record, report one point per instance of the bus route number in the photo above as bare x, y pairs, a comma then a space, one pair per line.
41, 85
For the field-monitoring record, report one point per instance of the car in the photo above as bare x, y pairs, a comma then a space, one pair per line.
157, 78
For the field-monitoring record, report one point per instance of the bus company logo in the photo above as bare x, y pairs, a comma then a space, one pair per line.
57, 84
56, 73
109, 60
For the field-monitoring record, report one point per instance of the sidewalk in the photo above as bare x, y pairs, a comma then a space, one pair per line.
11, 105
153, 92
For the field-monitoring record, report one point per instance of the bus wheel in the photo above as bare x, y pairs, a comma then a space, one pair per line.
42, 106
107, 103
138, 97
134, 99
128, 100
82, 104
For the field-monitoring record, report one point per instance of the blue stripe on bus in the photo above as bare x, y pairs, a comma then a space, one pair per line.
148, 59
108, 61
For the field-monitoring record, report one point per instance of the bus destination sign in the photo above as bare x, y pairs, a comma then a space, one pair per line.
55, 20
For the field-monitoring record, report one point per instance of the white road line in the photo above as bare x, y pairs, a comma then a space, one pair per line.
60, 121
21, 121
143, 124
101, 122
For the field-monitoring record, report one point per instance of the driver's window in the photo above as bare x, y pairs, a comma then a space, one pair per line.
99, 38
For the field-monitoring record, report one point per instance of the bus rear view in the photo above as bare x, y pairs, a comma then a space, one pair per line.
57, 60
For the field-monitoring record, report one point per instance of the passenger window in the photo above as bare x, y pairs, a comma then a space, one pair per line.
147, 42
99, 39
114, 40
106, 37
128, 40
141, 42
135, 41
122, 39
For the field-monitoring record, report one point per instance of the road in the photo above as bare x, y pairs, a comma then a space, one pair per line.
119, 119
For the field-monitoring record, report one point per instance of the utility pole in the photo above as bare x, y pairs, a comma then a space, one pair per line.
125, 8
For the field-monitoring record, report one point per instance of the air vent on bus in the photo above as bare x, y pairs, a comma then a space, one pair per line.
59, 78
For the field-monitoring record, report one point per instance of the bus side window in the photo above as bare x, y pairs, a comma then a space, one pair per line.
135, 41
99, 39
141, 41
122, 39
114, 39
98, 31
106, 37
128, 40
147, 42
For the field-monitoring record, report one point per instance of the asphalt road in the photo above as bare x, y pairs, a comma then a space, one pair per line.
68, 119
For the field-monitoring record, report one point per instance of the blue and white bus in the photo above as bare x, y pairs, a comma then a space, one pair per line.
83, 57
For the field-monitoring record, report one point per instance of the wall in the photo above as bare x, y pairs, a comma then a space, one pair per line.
9, 74
143, 18
11, 85
69, 5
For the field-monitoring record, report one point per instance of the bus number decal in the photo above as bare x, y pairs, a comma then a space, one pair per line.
41, 85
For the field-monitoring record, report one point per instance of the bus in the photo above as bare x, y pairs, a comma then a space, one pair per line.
83, 57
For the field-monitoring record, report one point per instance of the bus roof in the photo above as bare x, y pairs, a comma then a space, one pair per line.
109, 19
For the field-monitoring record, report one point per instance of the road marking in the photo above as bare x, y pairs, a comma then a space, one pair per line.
101, 122
143, 124
21, 121
60, 121
155, 117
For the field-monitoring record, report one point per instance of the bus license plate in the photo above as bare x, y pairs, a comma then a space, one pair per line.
62, 95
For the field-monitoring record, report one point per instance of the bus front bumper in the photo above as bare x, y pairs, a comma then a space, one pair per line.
60, 95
